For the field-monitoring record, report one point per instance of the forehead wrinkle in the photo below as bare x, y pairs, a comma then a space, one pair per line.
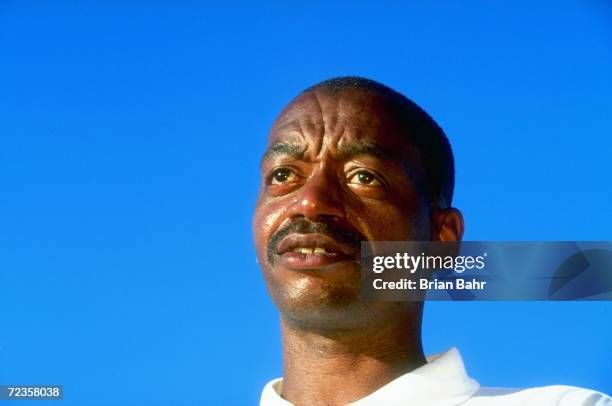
350, 114
332, 128
289, 137
316, 123
292, 125
306, 118
329, 119
292, 131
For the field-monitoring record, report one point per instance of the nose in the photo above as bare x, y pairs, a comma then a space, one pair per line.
320, 196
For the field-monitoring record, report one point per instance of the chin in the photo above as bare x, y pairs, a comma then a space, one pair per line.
315, 303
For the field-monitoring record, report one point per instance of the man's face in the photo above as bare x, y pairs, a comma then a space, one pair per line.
338, 170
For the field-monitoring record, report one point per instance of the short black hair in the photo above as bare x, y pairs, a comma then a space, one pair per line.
425, 134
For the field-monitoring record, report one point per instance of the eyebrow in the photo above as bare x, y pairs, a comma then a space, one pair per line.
366, 148
344, 152
283, 149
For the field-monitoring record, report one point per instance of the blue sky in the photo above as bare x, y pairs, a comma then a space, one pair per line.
130, 137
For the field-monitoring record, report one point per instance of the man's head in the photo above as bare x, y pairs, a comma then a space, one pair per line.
348, 160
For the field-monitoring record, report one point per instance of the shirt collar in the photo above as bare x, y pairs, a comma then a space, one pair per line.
442, 381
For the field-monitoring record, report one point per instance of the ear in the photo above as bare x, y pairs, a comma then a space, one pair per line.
447, 225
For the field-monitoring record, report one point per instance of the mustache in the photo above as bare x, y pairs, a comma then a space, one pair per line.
341, 233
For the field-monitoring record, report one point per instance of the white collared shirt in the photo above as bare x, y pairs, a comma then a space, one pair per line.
444, 382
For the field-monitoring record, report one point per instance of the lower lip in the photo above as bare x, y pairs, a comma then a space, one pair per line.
297, 260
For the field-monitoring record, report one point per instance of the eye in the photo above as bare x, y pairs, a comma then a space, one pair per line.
364, 178
282, 175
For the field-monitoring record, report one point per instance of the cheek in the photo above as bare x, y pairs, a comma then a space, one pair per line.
389, 222
381, 225
266, 219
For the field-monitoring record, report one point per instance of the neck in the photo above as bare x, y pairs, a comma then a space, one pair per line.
339, 367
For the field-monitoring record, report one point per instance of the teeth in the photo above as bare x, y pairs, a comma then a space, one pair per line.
304, 250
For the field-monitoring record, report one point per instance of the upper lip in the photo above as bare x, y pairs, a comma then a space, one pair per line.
292, 241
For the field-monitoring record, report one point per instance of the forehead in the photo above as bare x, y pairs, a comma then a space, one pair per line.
344, 117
